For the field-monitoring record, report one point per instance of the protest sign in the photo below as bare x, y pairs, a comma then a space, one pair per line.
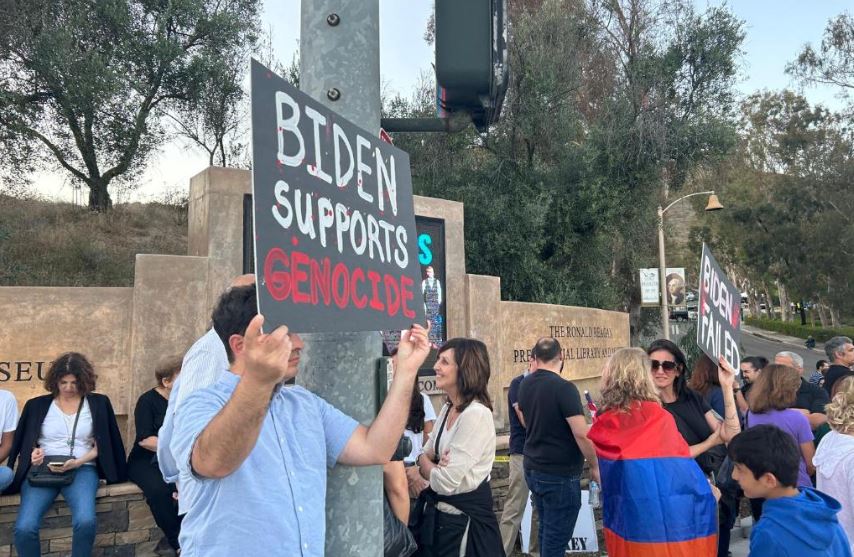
584, 538
719, 321
333, 215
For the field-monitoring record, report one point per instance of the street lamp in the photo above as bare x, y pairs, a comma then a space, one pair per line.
714, 204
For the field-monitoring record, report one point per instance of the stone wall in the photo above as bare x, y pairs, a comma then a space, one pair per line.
125, 525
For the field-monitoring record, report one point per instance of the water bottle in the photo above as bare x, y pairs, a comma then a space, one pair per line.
595, 495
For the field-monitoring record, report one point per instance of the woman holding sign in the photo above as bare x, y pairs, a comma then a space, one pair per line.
703, 429
637, 443
454, 515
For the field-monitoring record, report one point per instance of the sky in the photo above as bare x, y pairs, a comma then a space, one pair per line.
776, 30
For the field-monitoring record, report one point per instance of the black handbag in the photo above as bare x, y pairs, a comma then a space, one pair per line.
397, 539
43, 476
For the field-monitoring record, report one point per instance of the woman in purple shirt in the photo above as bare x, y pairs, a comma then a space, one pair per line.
773, 392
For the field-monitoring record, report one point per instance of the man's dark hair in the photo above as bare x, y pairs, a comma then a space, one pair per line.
547, 349
680, 384
767, 448
232, 314
819, 364
758, 362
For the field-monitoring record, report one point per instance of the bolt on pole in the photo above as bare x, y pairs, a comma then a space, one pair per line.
340, 67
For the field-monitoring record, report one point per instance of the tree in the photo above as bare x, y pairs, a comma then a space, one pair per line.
833, 63
560, 195
216, 118
789, 203
85, 83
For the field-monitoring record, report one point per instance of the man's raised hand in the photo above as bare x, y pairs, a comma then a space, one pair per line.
413, 349
266, 355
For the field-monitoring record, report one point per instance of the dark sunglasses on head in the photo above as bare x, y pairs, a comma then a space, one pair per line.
666, 365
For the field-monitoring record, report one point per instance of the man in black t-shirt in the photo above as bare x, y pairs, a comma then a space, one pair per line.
555, 446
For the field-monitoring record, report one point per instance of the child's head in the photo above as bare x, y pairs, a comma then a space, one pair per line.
766, 459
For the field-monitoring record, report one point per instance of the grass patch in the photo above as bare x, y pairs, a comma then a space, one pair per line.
59, 244
795, 329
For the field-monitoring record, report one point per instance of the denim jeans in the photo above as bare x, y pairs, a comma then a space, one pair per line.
7, 475
557, 500
35, 501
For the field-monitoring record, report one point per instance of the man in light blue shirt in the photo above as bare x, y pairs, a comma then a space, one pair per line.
256, 453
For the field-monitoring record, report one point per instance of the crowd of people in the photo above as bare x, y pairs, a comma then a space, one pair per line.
232, 458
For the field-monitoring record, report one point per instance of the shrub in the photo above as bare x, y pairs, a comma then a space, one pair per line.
795, 329
58, 244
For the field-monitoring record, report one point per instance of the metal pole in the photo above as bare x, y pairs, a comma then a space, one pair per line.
662, 271
340, 67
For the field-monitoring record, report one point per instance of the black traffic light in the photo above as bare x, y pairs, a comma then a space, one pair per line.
471, 59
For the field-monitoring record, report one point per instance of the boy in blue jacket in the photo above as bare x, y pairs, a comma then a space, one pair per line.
795, 522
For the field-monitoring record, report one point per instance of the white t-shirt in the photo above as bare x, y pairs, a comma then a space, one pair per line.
418, 438
57, 427
8, 412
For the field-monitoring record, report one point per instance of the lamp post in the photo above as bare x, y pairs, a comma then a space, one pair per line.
714, 204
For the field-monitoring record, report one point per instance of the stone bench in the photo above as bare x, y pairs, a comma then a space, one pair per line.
125, 525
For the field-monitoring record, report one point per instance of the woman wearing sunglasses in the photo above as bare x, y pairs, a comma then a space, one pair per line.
701, 427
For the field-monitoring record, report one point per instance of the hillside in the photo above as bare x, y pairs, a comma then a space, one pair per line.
58, 244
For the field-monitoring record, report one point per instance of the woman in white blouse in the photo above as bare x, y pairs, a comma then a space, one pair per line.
834, 459
454, 517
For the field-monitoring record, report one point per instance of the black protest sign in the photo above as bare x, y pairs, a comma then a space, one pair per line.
334, 219
719, 319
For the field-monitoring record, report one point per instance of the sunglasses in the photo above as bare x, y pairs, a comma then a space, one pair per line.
665, 365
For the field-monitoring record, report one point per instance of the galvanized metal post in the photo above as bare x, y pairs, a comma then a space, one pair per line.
340, 67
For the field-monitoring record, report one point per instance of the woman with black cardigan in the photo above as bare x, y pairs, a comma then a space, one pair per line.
142, 462
93, 442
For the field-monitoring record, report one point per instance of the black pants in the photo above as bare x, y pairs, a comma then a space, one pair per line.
756, 509
727, 513
158, 495
448, 536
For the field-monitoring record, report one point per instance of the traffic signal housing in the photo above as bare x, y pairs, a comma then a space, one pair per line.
471, 59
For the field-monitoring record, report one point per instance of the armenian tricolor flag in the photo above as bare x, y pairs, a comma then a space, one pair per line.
656, 501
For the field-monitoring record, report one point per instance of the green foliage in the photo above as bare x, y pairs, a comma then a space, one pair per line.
57, 244
688, 345
795, 329
833, 63
83, 83
789, 201
560, 195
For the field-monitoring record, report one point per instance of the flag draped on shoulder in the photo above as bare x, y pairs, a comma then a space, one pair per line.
656, 501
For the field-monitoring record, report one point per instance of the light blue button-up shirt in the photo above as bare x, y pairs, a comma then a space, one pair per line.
274, 503
203, 365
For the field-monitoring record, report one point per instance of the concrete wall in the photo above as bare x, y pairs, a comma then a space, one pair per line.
126, 331
39, 324
588, 337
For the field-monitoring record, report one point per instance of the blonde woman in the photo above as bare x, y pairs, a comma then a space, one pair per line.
656, 500
834, 459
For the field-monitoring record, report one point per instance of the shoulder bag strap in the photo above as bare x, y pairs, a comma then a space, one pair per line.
439, 435
74, 429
